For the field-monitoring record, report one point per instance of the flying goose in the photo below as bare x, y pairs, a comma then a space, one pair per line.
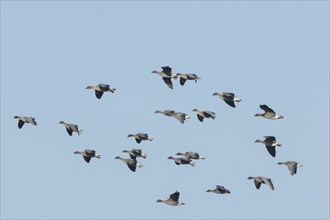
135, 153
204, 114
228, 97
167, 75
131, 163
219, 190
100, 89
180, 116
258, 180
191, 155
71, 128
140, 136
24, 119
271, 143
182, 160
172, 200
269, 113
88, 154
292, 166
187, 76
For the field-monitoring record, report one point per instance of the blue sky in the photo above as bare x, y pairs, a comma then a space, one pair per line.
266, 52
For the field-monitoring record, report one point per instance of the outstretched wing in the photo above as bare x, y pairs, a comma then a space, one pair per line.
258, 184
271, 150
182, 81
200, 117
175, 196
268, 182
266, 108
168, 82
132, 165
167, 70
292, 168
98, 94
20, 123
87, 159
69, 130
138, 140
231, 103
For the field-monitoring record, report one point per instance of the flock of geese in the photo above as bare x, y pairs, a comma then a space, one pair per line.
186, 157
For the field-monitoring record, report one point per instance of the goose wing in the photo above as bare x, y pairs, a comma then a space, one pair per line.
20, 123
168, 82
266, 108
182, 81
271, 150
98, 94
175, 196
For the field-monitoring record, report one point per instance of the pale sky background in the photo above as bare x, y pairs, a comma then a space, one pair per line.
266, 52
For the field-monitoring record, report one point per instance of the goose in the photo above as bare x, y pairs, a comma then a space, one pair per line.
191, 155
219, 190
100, 89
135, 153
269, 113
167, 75
181, 160
24, 119
172, 200
292, 166
271, 143
88, 154
204, 114
228, 97
258, 180
187, 76
140, 136
180, 116
131, 163
70, 128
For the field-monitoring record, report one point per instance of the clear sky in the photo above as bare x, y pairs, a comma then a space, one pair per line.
266, 52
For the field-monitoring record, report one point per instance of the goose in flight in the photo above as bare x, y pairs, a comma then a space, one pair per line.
70, 128
88, 154
166, 75
258, 180
204, 114
269, 113
24, 119
187, 76
271, 143
219, 190
228, 97
100, 89
140, 137
172, 200
292, 166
